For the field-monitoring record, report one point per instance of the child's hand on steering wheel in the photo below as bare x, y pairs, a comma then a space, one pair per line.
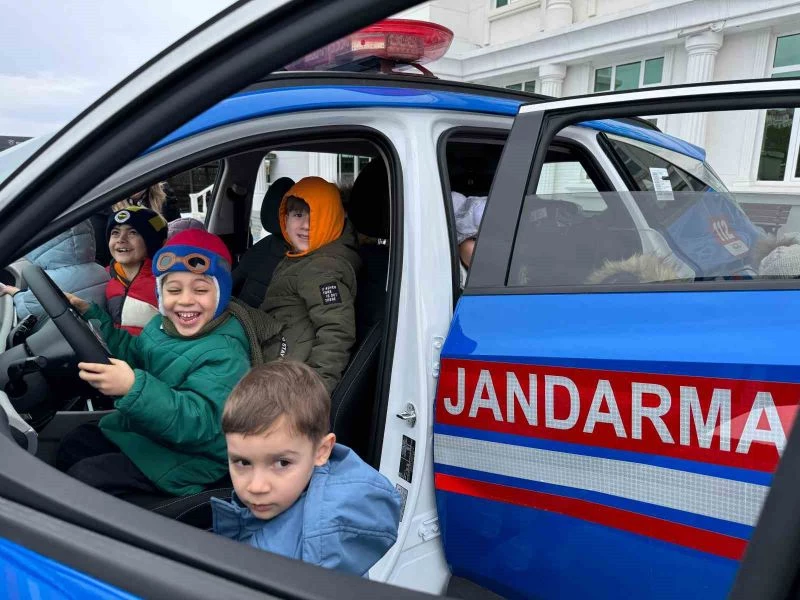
115, 379
78, 304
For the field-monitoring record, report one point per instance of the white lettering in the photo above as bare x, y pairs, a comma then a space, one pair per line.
457, 407
478, 401
775, 435
550, 382
514, 392
654, 413
718, 411
604, 392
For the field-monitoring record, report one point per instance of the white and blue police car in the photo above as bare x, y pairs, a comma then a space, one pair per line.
600, 407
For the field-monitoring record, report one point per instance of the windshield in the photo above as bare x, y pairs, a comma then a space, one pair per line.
12, 158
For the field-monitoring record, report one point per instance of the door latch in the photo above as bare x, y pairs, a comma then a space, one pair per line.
429, 529
409, 415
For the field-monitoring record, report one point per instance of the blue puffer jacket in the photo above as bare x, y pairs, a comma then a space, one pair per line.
69, 260
346, 519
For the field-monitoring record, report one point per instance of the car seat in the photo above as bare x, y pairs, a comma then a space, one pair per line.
353, 400
253, 274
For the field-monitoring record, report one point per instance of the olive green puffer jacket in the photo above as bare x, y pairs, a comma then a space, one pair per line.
313, 297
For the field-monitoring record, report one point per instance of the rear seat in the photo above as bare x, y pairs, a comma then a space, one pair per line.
254, 272
353, 400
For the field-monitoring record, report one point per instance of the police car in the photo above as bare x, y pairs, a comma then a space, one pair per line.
559, 423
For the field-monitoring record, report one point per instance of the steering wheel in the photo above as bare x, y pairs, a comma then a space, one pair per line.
76, 330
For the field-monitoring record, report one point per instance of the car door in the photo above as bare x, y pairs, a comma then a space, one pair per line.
56, 535
601, 433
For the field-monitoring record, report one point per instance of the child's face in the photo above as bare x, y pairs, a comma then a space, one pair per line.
127, 247
297, 223
189, 301
271, 470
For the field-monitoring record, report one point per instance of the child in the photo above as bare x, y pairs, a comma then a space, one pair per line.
297, 492
171, 381
313, 288
134, 234
468, 213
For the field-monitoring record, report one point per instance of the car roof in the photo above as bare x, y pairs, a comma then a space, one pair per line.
296, 92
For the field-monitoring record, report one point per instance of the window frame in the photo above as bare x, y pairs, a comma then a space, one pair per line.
485, 135
793, 151
642, 62
522, 160
523, 86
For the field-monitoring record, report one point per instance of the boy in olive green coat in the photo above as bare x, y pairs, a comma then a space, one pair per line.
171, 382
313, 289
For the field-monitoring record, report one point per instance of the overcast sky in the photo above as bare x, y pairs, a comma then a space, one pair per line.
57, 56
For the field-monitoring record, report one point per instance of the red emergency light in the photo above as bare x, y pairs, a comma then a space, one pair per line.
390, 42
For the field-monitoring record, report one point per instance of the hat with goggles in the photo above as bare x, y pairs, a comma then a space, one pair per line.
200, 252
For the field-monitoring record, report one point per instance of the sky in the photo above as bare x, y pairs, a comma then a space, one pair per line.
57, 57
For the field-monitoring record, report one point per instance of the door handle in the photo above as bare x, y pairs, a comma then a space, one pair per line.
409, 415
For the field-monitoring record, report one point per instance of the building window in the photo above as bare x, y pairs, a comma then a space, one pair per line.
629, 76
779, 160
350, 166
524, 86
500, 3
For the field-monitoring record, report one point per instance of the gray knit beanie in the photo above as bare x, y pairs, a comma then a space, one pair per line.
783, 262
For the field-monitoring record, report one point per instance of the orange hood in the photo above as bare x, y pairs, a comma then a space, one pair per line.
326, 217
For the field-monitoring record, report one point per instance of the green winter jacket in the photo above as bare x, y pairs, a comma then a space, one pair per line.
312, 297
170, 422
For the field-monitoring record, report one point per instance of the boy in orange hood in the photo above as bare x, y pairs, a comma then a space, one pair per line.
313, 289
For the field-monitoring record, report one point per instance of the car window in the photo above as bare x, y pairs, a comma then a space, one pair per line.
12, 158
678, 220
568, 224
569, 177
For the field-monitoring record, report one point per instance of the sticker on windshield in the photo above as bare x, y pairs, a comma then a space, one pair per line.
661, 184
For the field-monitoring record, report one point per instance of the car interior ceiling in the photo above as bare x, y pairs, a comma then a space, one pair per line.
354, 402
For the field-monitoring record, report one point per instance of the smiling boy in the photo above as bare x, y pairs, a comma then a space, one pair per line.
170, 382
297, 492
313, 289
134, 235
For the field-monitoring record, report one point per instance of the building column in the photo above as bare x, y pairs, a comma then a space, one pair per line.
324, 165
558, 13
702, 50
551, 77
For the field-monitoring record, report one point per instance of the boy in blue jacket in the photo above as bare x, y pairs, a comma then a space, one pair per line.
297, 492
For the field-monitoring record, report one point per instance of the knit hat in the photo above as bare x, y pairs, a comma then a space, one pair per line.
147, 223
326, 213
183, 224
196, 251
783, 262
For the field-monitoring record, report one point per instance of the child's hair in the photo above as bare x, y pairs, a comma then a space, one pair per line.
295, 204
282, 388
152, 197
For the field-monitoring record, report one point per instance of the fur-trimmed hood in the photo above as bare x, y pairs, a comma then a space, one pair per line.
639, 268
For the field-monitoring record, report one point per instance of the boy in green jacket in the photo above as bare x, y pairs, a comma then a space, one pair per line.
171, 382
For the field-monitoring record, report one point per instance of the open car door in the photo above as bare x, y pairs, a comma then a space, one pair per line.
606, 430
57, 536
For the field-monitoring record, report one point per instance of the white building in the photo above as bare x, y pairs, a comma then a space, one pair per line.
574, 47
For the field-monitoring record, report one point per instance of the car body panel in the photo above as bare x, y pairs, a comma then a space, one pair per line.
609, 442
31, 575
